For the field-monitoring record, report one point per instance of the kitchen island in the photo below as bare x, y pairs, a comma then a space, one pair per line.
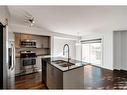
61, 74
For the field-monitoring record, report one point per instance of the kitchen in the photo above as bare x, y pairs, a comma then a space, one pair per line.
47, 50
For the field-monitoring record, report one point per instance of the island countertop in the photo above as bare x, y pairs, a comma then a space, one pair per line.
76, 63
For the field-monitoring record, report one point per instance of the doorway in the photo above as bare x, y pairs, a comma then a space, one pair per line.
92, 51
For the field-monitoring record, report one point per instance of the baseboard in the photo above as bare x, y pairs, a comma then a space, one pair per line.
101, 67
25, 74
121, 70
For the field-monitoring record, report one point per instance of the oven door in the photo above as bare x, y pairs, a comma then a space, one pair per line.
28, 61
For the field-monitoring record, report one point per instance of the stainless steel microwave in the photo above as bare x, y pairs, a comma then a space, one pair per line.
28, 43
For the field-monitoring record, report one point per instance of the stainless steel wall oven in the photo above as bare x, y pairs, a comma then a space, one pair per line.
28, 61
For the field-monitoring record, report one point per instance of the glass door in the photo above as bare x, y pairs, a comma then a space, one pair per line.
92, 51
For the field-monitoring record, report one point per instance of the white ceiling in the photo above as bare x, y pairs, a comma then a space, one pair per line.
69, 19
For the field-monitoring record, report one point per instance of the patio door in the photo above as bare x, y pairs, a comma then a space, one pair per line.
92, 51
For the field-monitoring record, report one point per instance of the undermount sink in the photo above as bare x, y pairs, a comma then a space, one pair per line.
58, 61
67, 64
63, 63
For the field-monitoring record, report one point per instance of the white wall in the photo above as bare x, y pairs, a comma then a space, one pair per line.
120, 50
117, 50
123, 50
58, 47
78, 51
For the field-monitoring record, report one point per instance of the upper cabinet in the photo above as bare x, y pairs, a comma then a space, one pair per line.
37, 43
17, 40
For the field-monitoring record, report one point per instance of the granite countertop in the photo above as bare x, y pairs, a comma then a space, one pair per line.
42, 55
77, 64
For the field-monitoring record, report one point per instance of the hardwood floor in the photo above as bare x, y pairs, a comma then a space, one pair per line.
31, 81
99, 78
94, 78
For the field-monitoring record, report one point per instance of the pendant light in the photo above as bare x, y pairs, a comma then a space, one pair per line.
78, 43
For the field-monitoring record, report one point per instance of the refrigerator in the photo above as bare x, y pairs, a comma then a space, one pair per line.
7, 59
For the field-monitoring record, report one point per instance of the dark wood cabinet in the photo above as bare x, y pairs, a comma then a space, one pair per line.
54, 77
44, 69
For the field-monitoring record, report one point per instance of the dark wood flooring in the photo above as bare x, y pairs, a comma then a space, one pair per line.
94, 78
99, 78
31, 81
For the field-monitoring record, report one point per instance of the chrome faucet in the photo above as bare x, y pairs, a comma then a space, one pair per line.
64, 50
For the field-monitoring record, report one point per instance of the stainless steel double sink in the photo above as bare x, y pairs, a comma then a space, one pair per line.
63, 63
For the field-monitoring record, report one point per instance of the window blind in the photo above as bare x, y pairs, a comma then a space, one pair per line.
91, 41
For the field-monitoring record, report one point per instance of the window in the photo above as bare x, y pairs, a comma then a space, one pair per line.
92, 51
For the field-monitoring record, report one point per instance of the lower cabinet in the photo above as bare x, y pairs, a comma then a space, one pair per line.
44, 70
38, 63
72, 79
54, 78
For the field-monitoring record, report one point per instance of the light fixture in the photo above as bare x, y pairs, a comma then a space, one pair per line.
78, 43
31, 20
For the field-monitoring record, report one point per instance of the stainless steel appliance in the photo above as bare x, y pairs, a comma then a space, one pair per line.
1, 56
28, 62
28, 43
28, 58
11, 64
7, 59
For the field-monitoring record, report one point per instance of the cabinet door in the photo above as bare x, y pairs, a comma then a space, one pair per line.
38, 63
44, 68
50, 77
58, 76
25, 37
17, 40
54, 77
